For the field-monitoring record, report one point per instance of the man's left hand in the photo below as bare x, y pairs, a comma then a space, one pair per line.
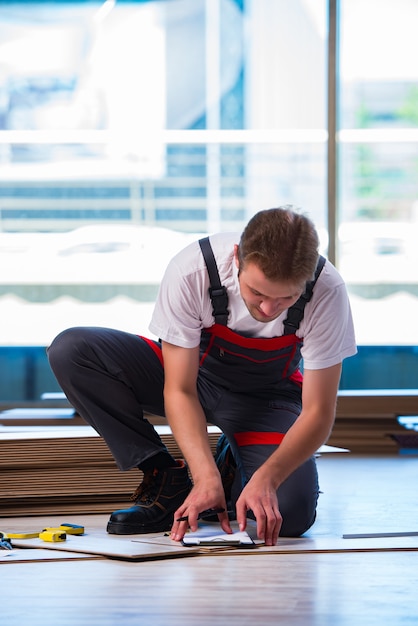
260, 496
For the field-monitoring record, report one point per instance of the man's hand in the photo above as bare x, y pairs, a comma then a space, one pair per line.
260, 496
209, 495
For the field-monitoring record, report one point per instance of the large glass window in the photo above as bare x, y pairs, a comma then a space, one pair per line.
127, 128
378, 150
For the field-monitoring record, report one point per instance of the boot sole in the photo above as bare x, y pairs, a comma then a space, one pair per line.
117, 528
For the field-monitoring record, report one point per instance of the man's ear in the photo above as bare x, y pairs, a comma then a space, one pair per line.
236, 255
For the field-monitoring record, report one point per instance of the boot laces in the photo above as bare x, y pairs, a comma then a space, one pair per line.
146, 491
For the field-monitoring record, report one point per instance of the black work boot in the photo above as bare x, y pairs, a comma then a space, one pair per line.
157, 497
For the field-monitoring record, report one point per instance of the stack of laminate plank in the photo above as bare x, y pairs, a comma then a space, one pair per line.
66, 470
367, 435
367, 421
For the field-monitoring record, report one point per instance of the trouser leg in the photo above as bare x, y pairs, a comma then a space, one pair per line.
111, 377
245, 421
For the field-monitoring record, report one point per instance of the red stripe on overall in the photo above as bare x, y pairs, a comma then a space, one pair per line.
254, 438
156, 348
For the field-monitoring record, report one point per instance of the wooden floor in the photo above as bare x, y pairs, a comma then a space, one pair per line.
360, 495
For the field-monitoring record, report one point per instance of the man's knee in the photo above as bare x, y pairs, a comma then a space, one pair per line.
298, 499
298, 517
65, 347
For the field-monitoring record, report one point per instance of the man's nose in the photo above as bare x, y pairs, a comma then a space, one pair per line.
269, 307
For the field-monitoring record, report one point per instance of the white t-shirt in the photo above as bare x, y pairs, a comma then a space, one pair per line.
183, 306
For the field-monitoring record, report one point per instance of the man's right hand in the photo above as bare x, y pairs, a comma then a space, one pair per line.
199, 499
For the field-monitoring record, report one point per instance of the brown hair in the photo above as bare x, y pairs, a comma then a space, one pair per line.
282, 243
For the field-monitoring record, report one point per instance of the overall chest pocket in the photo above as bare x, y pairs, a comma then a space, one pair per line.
249, 364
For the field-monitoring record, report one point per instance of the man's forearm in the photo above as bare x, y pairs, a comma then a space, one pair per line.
300, 442
184, 411
313, 426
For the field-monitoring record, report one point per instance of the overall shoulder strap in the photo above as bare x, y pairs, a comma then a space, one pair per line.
217, 292
296, 312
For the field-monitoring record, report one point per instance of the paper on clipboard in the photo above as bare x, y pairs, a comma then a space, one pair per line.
208, 536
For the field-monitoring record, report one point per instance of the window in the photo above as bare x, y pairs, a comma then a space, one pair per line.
378, 143
128, 128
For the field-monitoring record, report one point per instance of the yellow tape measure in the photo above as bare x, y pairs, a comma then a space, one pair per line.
56, 533
53, 534
23, 534
60, 533
72, 529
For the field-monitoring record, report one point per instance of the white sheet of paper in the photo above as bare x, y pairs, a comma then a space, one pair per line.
209, 534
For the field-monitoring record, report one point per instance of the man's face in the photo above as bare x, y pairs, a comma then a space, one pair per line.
265, 299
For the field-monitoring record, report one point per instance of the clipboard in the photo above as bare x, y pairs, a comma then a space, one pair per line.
207, 537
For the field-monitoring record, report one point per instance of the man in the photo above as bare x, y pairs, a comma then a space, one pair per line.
235, 316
